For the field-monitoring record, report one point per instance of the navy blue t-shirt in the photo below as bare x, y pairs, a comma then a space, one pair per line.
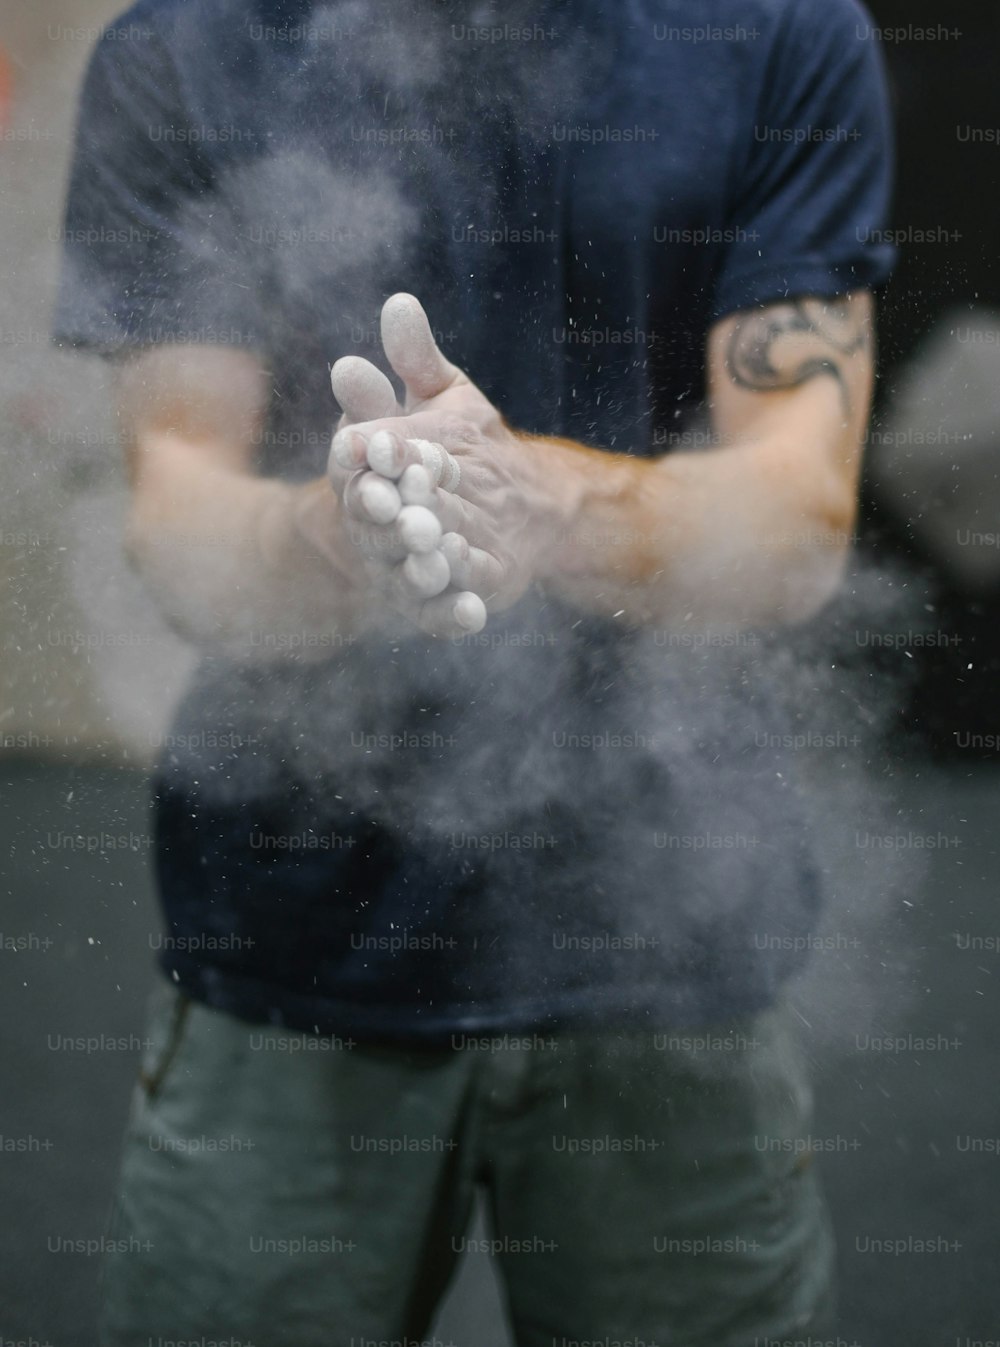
555, 822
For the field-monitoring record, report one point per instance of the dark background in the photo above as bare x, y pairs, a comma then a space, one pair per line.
936, 87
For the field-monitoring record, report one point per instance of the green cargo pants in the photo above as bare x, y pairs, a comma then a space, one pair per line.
283, 1190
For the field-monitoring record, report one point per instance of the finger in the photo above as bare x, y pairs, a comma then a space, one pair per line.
452, 615
392, 580
412, 351
355, 504
474, 569
380, 502
390, 454
365, 394
426, 573
455, 550
348, 453
363, 391
470, 612
356, 447
444, 469
419, 528
458, 515
416, 488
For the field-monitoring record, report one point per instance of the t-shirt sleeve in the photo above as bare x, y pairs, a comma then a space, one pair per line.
808, 210
141, 258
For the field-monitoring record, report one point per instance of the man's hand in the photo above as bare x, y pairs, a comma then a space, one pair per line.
395, 526
446, 455
754, 532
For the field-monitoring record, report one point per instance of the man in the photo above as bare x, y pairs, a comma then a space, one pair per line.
510, 903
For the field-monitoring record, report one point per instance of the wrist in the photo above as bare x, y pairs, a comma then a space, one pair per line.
553, 473
306, 520
303, 546
595, 505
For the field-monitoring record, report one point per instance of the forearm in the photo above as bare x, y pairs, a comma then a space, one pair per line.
247, 566
732, 537
755, 532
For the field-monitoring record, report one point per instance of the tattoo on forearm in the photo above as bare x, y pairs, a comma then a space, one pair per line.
786, 345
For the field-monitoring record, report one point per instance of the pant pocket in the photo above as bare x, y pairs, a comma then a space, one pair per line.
168, 1018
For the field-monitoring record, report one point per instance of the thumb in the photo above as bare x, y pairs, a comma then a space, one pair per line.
412, 351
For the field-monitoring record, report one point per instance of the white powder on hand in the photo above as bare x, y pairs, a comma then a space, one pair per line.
428, 573
347, 450
415, 486
419, 528
384, 454
382, 501
470, 611
443, 467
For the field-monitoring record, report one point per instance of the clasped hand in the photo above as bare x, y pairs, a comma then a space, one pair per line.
446, 503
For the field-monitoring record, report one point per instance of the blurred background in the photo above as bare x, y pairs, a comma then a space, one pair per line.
88, 677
